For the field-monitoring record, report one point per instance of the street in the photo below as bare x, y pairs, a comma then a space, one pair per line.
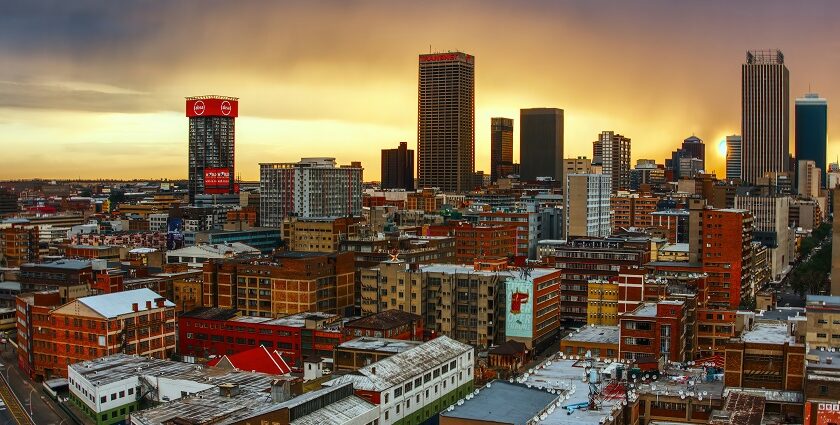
44, 410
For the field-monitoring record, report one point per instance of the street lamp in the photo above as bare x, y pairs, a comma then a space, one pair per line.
30, 402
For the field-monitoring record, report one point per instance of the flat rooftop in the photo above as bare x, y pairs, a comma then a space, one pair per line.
645, 310
503, 402
469, 269
595, 334
824, 359
65, 264
385, 320
384, 345
768, 333
294, 320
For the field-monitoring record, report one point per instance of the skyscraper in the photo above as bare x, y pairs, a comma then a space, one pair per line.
733, 157
211, 149
614, 152
541, 143
765, 115
446, 121
811, 128
398, 168
692, 152
501, 148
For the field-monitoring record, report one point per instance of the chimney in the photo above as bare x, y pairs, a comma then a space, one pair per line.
159, 302
828, 360
373, 370
280, 390
228, 390
148, 305
134, 307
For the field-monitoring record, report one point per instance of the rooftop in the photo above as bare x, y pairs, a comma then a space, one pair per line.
644, 310
824, 360
768, 333
400, 367
212, 313
675, 247
504, 402
120, 303
470, 269
294, 320
384, 345
822, 301
595, 334
66, 264
385, 320
213, 250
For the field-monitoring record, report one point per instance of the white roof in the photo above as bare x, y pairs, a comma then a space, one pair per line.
212, 250
119, 303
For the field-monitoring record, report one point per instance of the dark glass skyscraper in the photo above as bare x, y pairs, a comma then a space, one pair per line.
446, 122
541, 143
811, 129
212, 143
501, 148
765, 115
398, 168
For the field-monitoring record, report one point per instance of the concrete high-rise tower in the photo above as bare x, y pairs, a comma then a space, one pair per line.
613, 150
733, 157
765, 115
211, 144
541, 143
398, 168
446, 122
501, 148
811, 129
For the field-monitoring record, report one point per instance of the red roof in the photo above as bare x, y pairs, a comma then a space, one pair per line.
257, 359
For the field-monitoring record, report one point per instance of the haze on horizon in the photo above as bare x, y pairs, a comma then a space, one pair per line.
95, 89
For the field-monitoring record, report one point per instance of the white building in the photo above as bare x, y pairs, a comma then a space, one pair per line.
157, 222
417, 384
195, 256
587, 209
312, 187
771, 216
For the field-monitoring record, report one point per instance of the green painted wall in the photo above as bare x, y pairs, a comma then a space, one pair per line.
431, 410
121, 412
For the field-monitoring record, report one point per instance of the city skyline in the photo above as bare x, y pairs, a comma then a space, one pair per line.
90, 86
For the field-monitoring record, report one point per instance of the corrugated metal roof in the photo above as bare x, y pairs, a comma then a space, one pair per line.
119, 303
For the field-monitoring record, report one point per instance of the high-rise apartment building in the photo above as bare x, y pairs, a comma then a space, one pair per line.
811, 129
541, 143
733, 157
612, 151
312, 187
398, 168
501, 148
211, 144
771, 227
808, 179
587, 206
446, 122
765, 115
689, 159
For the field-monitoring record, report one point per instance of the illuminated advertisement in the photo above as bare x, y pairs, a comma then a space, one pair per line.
174, 233
212, 107
519, 300
216, 180
822, 413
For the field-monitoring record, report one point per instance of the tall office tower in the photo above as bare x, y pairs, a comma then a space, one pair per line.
212, 143
614, 151
398, 168
541, 143
811, 128
765, 115
312, 187
692, 153
808, 179
446, 122
733, 157
501, 148
835, 241
587, 205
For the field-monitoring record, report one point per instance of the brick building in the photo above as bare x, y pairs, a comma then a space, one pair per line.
206, 332
287, 283
51, 337
583, 260
18, 245
475, 241
653, 332
318, 234
393, 324
630, 209
599, 341
105, 252
71, 278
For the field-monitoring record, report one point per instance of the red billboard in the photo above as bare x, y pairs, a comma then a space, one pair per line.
212, 107
216, 180
822, 413
442, 57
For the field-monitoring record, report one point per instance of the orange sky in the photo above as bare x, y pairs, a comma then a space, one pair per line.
96, 89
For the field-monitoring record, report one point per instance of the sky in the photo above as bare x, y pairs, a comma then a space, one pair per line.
96, 89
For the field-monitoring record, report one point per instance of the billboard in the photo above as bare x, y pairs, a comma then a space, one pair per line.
216, 180
212, 107
174, 233
519, 303
822, 413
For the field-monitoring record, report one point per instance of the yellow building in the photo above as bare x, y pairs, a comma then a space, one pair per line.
823, 321
187, 293
602, 303
322, 234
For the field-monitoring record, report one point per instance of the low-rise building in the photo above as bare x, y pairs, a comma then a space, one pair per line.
415, 385
195, 256
356, 353
318, 234
823, 321
654, 333
206, 332
137, 322
393, 324
599, 341
602, 303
